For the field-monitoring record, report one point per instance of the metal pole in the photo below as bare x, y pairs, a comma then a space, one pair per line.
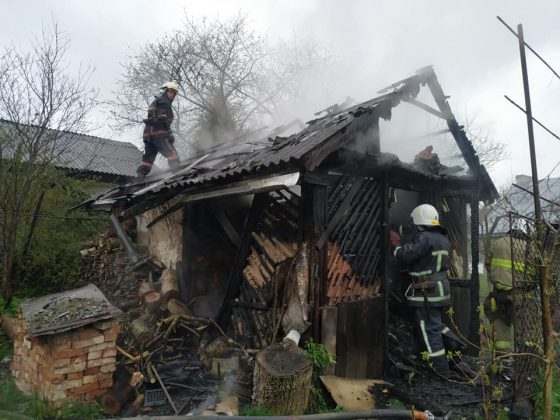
545, 284
529, 113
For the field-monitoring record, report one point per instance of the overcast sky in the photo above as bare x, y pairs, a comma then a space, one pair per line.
374, 43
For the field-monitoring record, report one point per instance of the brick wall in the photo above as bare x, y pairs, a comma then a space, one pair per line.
76, 364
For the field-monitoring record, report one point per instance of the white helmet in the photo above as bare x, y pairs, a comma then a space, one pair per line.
425, 215
170, 86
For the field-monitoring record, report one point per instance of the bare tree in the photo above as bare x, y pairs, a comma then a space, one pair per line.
39, 101
230, 78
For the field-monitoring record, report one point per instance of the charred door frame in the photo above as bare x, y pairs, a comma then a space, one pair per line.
372, 358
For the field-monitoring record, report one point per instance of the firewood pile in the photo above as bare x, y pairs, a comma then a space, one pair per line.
162, 349
104, 263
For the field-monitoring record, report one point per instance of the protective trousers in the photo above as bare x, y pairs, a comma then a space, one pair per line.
498, 308
151, 148
430, 329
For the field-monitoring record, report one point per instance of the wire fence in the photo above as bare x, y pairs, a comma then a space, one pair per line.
527, 303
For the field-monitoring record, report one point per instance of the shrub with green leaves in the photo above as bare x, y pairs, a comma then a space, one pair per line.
321, 359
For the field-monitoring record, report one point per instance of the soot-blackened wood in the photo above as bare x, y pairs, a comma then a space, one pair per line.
386, 261
282, 378
236, 276
315, 208
474, 336
340, 213
360, 341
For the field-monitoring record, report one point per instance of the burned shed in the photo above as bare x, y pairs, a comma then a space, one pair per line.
291, 232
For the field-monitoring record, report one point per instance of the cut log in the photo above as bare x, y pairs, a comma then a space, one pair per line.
12, 326
151, 297
140, 330
145, 288
282, 378
169, 285
116, 398
176, 307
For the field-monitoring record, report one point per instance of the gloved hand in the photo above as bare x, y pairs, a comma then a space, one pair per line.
395, 239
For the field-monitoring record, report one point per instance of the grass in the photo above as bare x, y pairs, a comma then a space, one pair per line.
13, 400
254, 411
555, 395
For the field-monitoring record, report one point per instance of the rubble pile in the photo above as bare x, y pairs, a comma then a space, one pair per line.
162, 349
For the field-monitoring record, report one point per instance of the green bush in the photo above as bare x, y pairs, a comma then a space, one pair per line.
322, 359
53, 258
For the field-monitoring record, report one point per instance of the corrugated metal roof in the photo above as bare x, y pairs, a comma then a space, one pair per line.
247, 156
83, 152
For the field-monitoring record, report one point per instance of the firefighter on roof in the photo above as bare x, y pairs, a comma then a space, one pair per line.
158, 136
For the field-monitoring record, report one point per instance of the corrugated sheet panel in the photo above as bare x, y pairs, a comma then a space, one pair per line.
82, 152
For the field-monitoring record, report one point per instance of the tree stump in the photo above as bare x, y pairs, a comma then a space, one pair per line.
282, 379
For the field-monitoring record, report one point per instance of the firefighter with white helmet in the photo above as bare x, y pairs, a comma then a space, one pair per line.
157, 135
426, 257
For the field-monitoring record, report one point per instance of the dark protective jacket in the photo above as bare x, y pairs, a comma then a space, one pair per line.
427, 259
160, 117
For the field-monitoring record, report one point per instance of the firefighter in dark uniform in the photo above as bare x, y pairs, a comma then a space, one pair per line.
427, 258
158, 136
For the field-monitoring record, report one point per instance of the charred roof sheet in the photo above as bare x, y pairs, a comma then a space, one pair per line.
262, 154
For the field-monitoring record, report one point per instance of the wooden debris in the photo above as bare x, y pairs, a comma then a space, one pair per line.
165, 390
140, 330
116, 397
134, 408
177, 307
169, 285
352, 394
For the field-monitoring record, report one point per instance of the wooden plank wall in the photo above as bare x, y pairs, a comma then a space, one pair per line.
360, 343
273, 245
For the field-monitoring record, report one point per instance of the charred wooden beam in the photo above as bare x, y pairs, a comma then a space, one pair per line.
236, 276
426, 108
248, 186
228, 228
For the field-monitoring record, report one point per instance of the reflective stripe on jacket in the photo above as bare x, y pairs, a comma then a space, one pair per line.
427, 255
160, 117
499, 264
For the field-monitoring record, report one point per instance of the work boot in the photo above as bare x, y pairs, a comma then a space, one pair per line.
441, 366
452, 342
